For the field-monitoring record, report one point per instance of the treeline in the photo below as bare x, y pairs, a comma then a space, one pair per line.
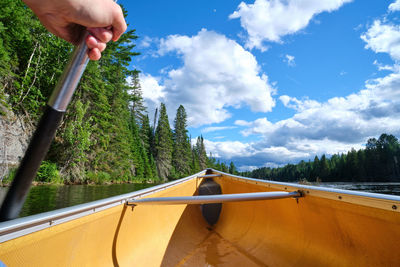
378, 162
106, 134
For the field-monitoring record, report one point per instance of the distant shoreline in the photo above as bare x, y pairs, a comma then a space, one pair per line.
35, 183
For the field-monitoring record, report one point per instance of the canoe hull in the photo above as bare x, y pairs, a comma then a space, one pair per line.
323, 228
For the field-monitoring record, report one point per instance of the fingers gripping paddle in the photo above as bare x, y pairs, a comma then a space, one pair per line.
45, 132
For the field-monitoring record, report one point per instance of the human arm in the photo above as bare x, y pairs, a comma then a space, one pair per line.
103, 19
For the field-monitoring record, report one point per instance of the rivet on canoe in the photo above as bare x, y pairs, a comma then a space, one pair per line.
394, 207
285, 188
308, 192
50, 222
340, 197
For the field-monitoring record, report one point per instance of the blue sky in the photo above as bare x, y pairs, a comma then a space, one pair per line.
268, 82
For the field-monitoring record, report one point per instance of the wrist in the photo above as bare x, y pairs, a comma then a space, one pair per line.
41, 7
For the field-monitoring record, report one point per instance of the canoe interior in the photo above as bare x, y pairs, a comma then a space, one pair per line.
321, 229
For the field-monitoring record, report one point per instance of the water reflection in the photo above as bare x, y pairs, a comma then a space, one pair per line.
50, 197
381, 188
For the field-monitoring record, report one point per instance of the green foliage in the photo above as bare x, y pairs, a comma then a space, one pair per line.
194, 164
48, 172
232, 168
106, 135
9, 177
378, 162
182, 150
138, 109
163, 145
30, 58
201, 152
76, 142
98, 178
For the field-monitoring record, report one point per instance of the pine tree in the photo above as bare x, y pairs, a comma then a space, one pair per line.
182, 150
145, 134
194, 164
147, 138
211, 161
324, 168
136, 99
232, 168
316, 168
138, 152
163, 145
77, 141
201, 152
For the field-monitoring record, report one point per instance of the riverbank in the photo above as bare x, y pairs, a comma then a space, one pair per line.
49, 174
36, 183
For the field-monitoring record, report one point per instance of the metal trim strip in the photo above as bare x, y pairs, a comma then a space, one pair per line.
207, 199
22, 226
209, 176
319, 188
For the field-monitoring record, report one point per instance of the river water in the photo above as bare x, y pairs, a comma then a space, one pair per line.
381, 188
50, 197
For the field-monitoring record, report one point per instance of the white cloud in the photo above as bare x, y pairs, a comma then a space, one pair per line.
270, 20
247, 168
259, 126
228, 149
252, 153
290, 60
217, 128
217, 73
394, 6
299, 105
146, 42
334, 126
153, 92
392, 68
383, 38
242, 123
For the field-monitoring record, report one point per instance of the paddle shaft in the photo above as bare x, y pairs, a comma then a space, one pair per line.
45, 132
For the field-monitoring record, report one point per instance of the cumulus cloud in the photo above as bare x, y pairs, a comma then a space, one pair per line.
334, 126
383, 38
153, 91
217, 128
290, 60
217, 73
146, 42
270, 20
350, 119
299, 105
394, 6
392, 68
253, 154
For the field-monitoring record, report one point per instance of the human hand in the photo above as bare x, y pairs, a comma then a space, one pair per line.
103, 19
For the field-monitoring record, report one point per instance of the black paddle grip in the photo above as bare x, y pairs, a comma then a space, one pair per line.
37, 150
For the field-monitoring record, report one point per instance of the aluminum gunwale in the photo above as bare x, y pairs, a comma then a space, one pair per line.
206, 199
50, 218
209, 176
318, 188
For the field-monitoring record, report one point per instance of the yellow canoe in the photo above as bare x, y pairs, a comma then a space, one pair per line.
296, 225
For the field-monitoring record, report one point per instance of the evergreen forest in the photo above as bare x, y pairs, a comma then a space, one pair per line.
377, 162
106, 134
